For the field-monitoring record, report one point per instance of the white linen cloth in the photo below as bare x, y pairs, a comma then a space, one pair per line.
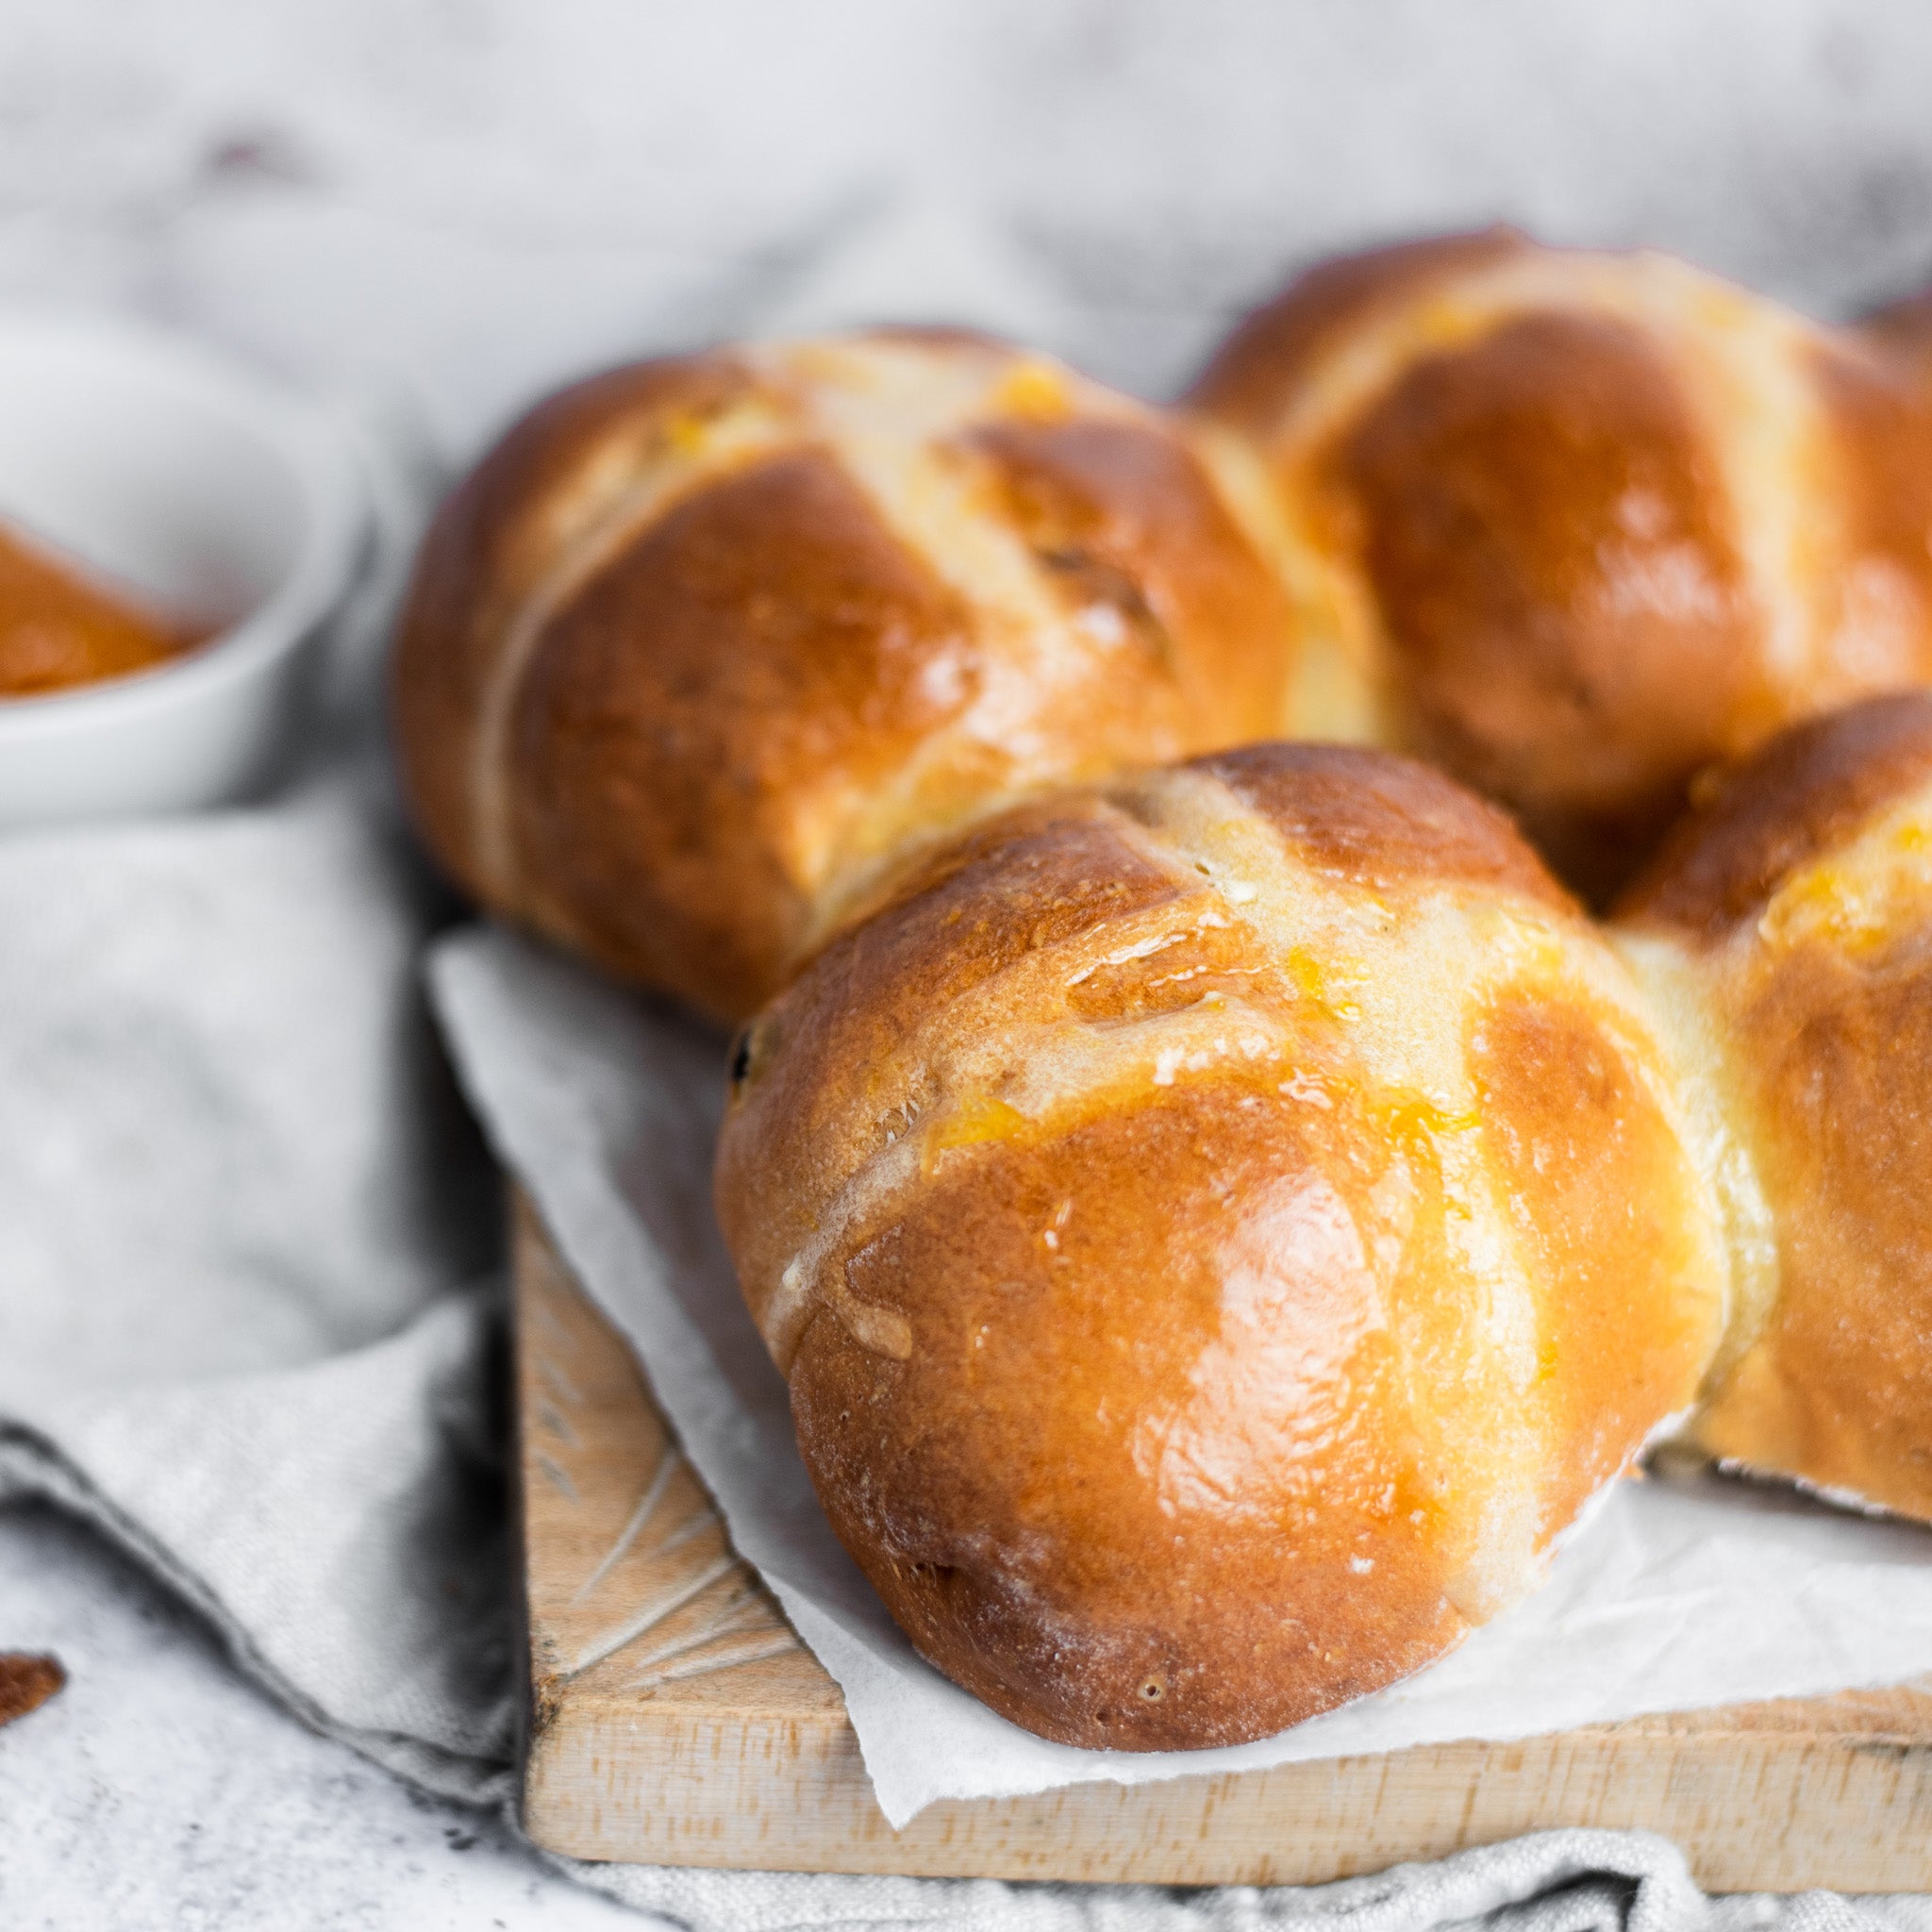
242, 1226
239, 1206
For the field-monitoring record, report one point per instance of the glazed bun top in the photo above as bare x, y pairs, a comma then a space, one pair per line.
1577, 525
1219, 1229
705, 644
1783, 936
1791, 814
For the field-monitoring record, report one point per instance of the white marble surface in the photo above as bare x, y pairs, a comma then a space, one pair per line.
157, 1788
471, 197
456, 202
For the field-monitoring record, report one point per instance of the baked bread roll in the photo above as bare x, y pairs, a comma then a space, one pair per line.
1218, 1230
705, 643
1784, 940
1574, 525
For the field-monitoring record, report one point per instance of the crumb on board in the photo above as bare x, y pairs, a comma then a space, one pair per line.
27, 1682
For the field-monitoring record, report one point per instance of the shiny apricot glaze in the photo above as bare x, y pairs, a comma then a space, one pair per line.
1219, 1231
58, 628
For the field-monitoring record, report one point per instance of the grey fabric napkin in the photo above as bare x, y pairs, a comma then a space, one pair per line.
1555, 1881
239, 1206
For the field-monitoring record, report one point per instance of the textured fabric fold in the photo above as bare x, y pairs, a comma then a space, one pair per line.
339, 1525
239, 1201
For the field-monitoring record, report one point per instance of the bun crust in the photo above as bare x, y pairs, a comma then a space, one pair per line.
1807, 793
1285, 341
1575, 526
703, 646
1786, 939
1218, 1230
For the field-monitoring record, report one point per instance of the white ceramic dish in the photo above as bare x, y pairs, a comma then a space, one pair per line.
209, 489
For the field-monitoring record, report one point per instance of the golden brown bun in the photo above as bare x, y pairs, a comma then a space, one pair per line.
1575, 526
704, 644
1218, 1230
1785, 937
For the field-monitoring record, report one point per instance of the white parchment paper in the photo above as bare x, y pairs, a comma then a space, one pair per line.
1675, 1596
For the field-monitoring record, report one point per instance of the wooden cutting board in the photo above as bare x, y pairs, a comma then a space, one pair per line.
673, 1718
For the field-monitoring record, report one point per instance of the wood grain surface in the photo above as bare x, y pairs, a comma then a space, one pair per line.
673, 1717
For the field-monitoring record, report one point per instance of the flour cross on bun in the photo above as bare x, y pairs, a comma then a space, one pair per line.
1575, 525
705, 642
1219, 1231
